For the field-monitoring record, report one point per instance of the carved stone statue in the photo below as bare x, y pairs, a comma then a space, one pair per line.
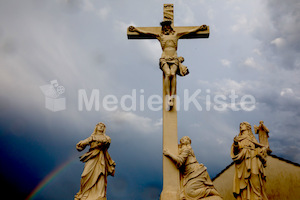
98, 165
263, 135
249, 157
195, 182
169, 62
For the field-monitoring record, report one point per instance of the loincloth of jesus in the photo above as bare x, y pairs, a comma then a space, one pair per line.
182, 70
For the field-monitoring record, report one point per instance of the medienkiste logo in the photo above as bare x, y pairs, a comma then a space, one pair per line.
54, 99
92, 100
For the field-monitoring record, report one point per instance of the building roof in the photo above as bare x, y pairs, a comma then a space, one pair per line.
274, 156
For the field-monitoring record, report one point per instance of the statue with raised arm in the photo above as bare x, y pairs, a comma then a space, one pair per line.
169, 62
263, 135
249, 157
195, 182
98, 165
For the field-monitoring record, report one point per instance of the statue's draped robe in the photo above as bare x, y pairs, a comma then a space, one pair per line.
250, 161
98, 165
194, 178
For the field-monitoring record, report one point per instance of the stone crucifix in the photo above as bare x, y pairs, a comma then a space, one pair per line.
171, 64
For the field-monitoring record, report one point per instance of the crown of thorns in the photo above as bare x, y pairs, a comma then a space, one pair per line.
165, 23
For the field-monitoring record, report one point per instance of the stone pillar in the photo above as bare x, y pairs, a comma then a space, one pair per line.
170, 141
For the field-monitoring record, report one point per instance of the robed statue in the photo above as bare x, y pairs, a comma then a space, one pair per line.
263, 135
249, 157
98, 165
195, 182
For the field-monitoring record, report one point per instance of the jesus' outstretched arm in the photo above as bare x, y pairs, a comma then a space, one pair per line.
198, 28
138, 30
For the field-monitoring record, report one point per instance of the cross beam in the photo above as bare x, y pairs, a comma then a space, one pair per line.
171, 184
199, 34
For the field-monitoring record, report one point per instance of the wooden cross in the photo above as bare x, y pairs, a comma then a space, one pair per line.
168, 62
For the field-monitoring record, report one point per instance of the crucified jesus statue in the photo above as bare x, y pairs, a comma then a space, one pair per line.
169, 62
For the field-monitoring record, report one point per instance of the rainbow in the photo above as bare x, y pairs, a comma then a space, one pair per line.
49, 178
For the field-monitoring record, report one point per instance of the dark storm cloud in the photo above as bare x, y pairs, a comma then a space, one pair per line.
280, 38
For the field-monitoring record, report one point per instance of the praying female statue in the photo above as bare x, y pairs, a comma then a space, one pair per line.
98, 165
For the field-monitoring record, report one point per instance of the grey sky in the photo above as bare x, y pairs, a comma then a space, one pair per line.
253, 49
